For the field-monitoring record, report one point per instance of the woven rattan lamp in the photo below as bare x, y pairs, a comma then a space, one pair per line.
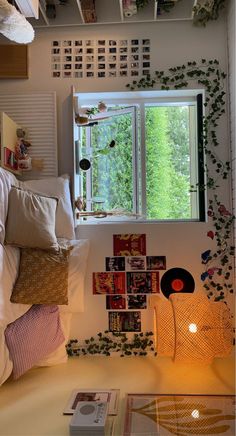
190, 328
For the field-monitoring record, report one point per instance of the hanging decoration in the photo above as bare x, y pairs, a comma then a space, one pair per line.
13, 25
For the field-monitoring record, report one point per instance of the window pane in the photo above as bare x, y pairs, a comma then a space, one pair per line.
112, 177
168, 162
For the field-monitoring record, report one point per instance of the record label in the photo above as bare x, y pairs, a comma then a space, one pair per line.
177, 280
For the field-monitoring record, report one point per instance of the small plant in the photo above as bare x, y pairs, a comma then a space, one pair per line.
206, 11
107, 343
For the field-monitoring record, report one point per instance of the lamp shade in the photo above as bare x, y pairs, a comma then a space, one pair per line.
190, 328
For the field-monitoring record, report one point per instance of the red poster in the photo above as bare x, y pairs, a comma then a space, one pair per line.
109, 282
129, 244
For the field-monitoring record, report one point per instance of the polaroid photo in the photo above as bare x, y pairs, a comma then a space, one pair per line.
78, 66
146, 57
134, 65
90, 58
146, 64
112, 58
56, 66
56, 74
67, 59
134, 73
67, 43
123, 42
134, 42
111, 73
78, 50
146, 49
67, 74
89, 74
112, 50
123, 73
101, 66
56, 58
89, 42
146, 41
89, 50
134, 49
89, 66
101, 42
101, 50
101, 58
78, 58
101, 74
67, 66
123, 50
123, 66
134, 57
56, 43
145, 72
67, 50
112, 66
112, 42
56, 51
123, 58
78, 42
78, 74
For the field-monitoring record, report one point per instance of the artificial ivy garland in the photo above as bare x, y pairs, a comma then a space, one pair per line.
107, 343
218, 264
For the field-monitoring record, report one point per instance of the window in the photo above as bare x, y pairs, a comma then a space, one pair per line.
144, 155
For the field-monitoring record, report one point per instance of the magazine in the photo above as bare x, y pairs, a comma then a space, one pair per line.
129, 244
142, 282
137, 301
135, 263
115, 302
124, 321
115, 263
156, 262
109, 395
109, 283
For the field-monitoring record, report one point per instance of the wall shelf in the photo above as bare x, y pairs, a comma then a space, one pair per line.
111, 12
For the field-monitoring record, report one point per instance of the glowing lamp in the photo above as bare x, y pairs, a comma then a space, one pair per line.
191, 328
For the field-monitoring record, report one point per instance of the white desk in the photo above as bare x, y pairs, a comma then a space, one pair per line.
33, 405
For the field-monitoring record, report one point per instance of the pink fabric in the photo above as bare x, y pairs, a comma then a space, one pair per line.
33, 336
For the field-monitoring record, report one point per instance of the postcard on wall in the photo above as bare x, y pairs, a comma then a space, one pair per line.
165, 415
115, 263
129, 244
142, 282
115, 302
109, 283
137, 301
107, 395
156, 262
135, 263
124, 321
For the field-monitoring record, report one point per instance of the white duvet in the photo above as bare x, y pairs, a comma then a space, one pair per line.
9, 263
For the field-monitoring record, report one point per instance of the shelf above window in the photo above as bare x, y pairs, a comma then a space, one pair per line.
111, 12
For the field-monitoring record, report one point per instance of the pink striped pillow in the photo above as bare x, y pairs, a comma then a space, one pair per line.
33, 336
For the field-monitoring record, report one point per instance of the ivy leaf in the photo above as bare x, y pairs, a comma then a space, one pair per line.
205, 256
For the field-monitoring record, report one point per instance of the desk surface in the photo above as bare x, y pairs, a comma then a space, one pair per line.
33, 405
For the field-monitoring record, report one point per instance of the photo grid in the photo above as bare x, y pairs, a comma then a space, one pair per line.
101, 58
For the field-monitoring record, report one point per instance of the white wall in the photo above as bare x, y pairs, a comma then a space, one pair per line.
171, 44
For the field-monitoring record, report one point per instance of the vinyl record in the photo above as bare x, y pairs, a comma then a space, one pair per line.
177, 280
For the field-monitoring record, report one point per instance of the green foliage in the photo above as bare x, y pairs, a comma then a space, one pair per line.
201, 14
106, 343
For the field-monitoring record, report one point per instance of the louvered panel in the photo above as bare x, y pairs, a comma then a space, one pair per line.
36, 113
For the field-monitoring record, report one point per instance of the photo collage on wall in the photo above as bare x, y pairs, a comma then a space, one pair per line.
130, 276
101, 58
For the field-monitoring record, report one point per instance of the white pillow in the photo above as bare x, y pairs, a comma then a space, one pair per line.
76, 276
6, 180
56, 187
59, 355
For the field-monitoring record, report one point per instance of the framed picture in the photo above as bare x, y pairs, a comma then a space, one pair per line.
108, 395
168, 415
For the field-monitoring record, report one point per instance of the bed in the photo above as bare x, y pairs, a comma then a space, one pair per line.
42, 269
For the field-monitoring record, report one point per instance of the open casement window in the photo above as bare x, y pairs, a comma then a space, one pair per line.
146, 158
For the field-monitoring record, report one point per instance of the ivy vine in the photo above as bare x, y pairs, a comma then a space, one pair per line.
107, 343
207, 74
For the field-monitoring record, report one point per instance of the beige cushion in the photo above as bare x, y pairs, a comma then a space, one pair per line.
31, 220
42, 278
